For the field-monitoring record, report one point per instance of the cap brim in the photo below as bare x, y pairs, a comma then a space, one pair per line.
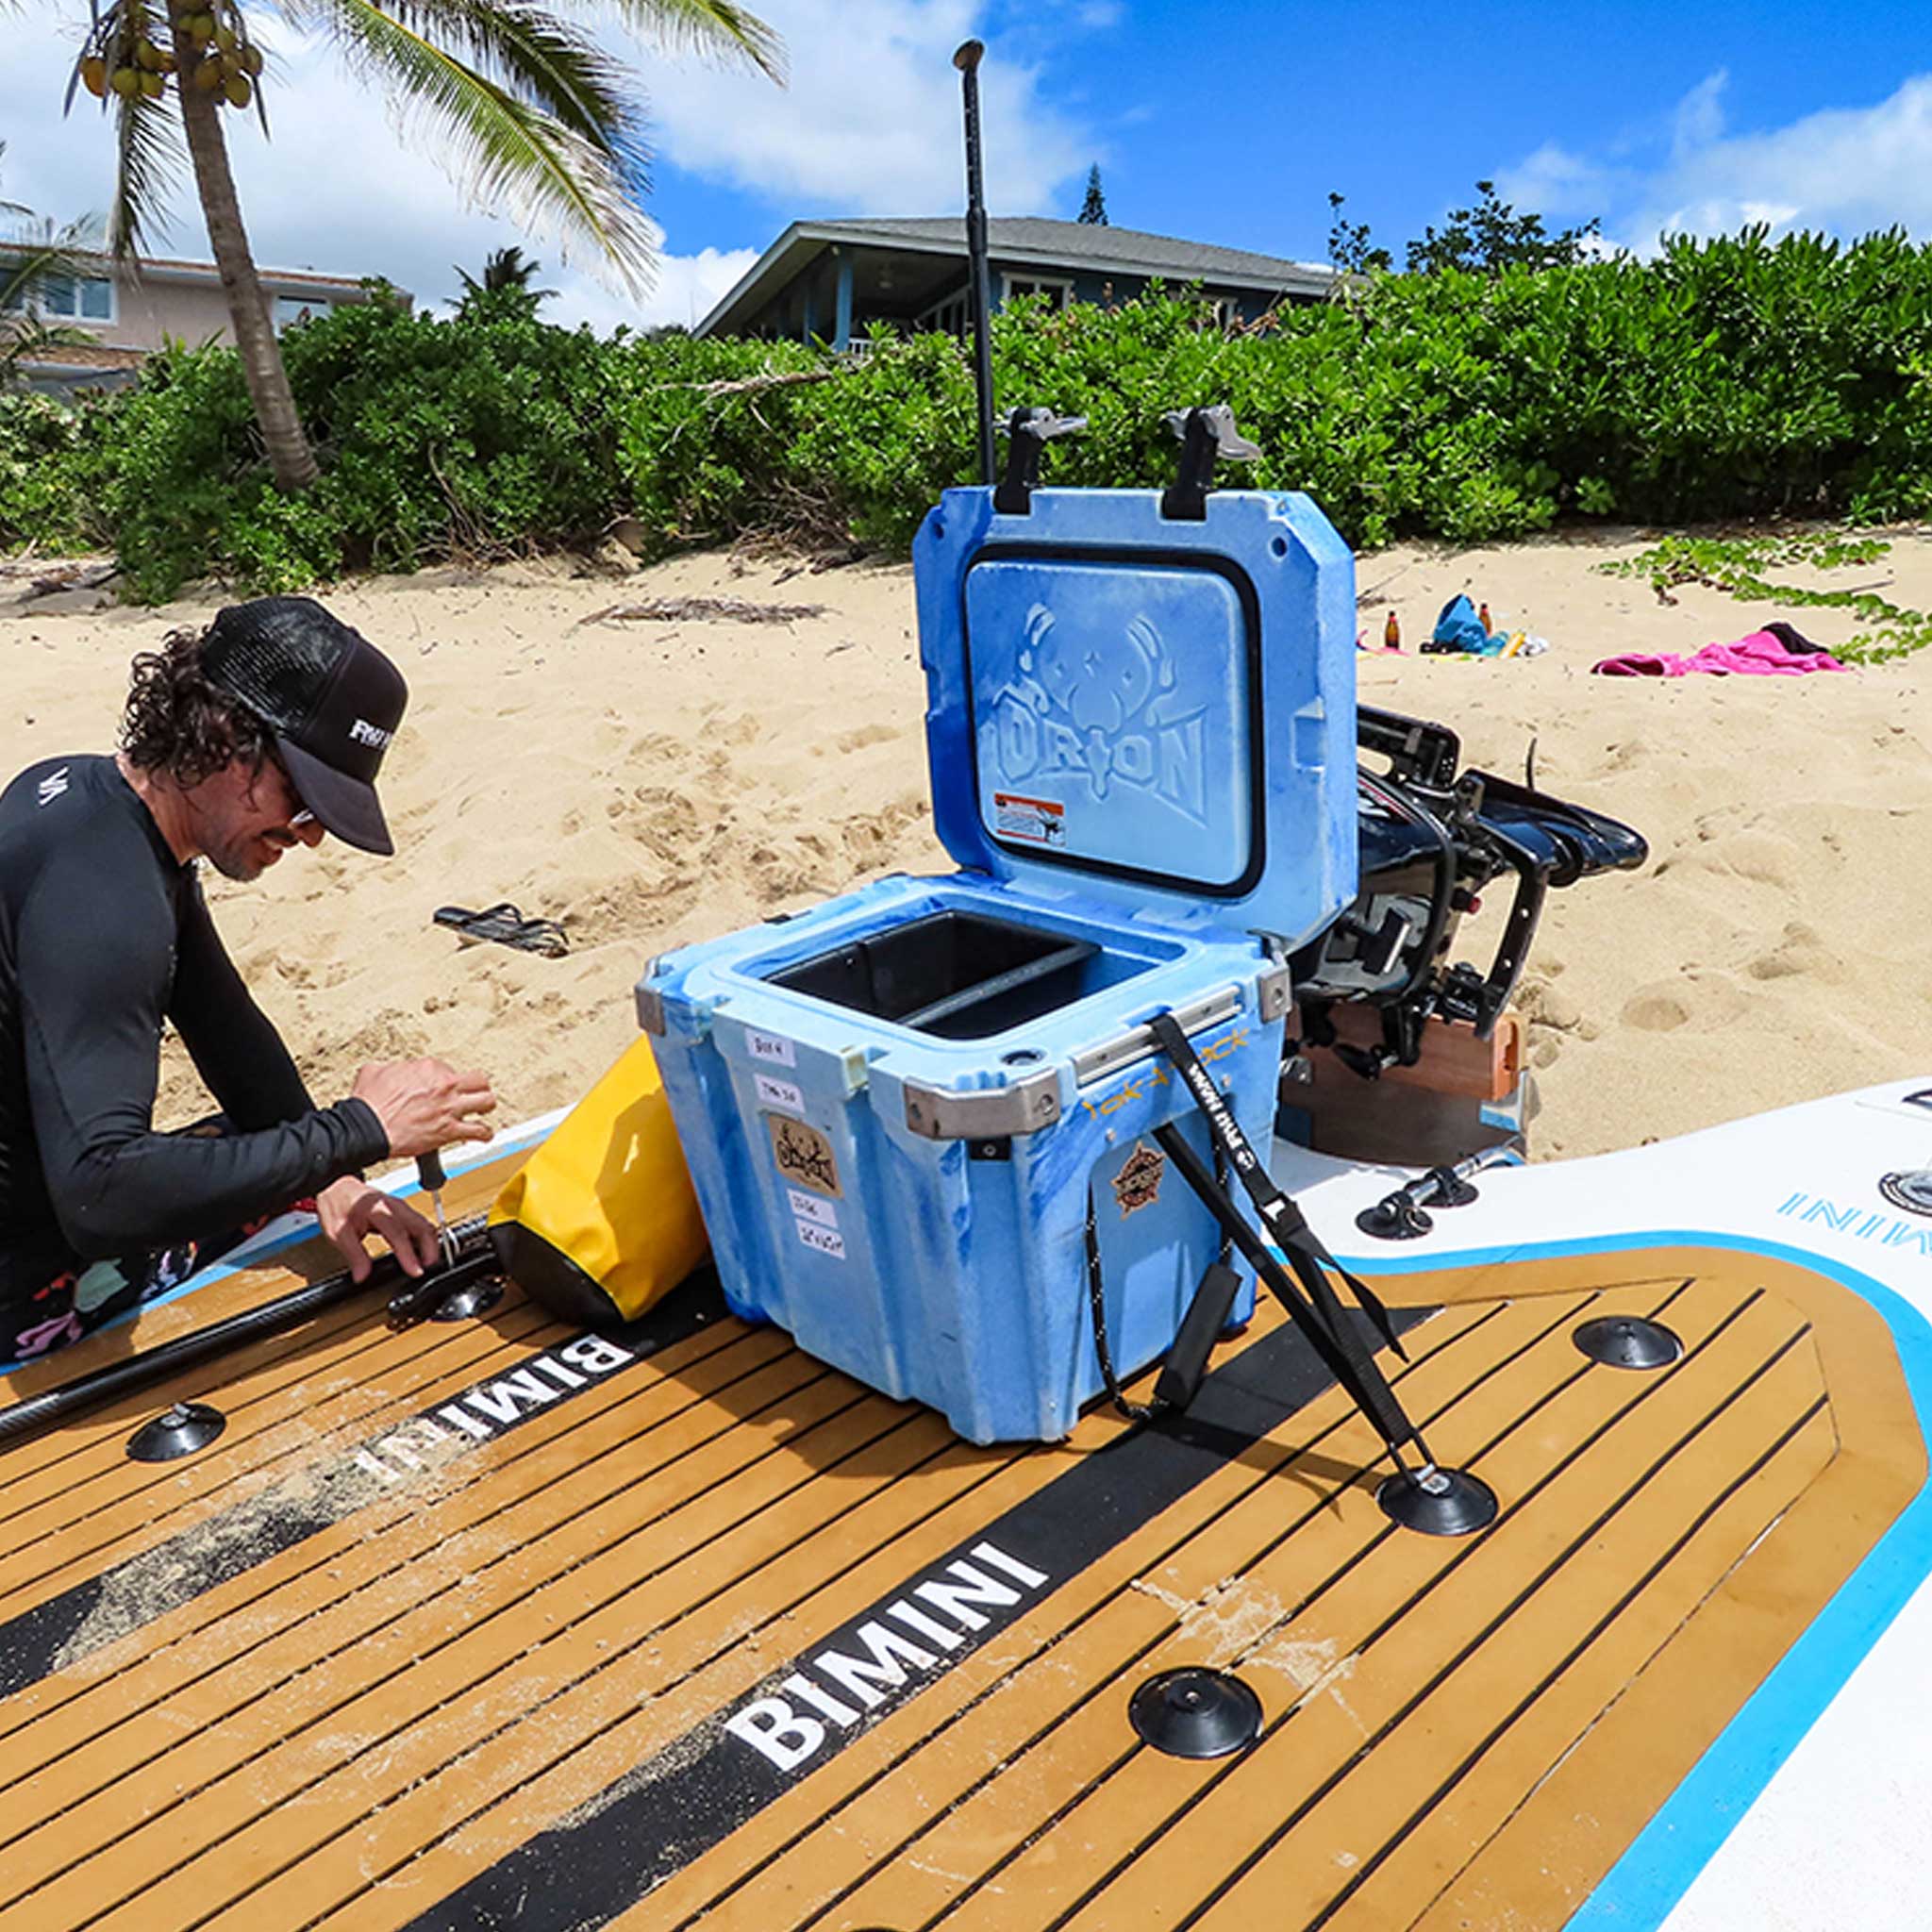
345, 807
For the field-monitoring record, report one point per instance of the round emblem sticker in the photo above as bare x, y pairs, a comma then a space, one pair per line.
1911, 1191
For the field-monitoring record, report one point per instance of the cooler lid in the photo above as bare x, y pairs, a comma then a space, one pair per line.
1160, 711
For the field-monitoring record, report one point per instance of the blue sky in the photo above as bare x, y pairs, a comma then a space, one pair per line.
1226, 122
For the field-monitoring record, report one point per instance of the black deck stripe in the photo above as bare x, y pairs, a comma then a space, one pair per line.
220, 1548
1446, 1671
600, 1860
471, 1745
272, 1587
1050, 1642
73, 1527
1640, 1394
1645, 1391
861, 1397
362, 1689
1473, 1757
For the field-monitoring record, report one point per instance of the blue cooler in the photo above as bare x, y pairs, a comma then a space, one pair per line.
902, 1108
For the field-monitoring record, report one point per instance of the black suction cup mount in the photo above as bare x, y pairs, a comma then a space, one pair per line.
179, 1431
1196, 1712
1628, 1341
1395, 1218
1438, 1501
468, 1300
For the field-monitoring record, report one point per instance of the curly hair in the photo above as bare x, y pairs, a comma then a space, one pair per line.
177, 722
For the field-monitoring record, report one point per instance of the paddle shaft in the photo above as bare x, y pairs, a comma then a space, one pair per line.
287, 1311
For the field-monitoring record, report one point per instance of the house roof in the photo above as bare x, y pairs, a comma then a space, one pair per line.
69, 357
169, 269
1021, 242
164, 269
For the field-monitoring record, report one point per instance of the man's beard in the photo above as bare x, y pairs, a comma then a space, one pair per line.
244, 866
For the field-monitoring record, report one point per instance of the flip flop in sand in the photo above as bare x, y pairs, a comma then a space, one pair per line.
506, 926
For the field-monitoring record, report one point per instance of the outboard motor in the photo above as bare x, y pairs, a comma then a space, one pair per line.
1432, 838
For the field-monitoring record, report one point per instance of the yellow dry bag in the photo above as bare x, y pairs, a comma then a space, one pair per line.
601, 1221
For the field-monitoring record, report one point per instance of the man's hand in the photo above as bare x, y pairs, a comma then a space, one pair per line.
424, 1104
351, 1211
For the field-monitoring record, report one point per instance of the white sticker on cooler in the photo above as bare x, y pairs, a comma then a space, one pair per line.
826, 1240
1037, 821
780, 1093
809, 1207
772, 1048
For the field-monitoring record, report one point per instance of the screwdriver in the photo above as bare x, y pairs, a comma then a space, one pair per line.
430, 1177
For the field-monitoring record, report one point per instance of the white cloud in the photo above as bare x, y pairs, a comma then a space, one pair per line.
870, 125
1554, 181
1843, 170
1846, 170
1700, 116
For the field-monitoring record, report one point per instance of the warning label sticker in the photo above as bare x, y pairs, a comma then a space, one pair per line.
1037, 821
804, 1154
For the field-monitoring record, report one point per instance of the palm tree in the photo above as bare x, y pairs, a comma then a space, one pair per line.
529, 108
504, 289
27, 267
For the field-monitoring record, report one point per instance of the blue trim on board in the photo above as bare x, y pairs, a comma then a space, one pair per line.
1659, 1865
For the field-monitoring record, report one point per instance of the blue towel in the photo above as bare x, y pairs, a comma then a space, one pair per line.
1460, 630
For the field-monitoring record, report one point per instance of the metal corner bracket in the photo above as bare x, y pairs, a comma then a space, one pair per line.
987, 1113
650, 1002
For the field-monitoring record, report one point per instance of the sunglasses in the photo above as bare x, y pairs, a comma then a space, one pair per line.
296, 819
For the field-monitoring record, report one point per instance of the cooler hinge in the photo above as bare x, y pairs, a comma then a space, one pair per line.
1272, 995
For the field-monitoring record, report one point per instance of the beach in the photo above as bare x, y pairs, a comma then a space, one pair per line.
651, 782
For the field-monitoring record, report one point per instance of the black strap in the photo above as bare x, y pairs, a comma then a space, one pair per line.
1280, 1215
1337, 1344
1314, 1302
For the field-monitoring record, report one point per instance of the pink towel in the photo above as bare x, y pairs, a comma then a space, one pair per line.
1760, 654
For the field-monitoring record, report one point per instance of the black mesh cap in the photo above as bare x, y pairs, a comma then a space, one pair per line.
332, 699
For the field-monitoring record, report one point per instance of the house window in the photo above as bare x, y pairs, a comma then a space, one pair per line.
289, 310
70, 298
1057, 294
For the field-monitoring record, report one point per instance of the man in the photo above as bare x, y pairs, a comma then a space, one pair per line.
264, 732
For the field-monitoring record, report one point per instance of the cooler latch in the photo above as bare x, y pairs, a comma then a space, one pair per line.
1028, 433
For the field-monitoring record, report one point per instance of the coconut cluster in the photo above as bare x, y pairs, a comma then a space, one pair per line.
206, 47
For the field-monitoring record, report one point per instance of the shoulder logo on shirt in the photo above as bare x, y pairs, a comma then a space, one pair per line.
363, 732
53, 785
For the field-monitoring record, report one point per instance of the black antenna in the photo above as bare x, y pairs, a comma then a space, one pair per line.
966, 58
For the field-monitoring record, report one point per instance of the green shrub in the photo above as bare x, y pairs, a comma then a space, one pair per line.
43, 484
1731, 378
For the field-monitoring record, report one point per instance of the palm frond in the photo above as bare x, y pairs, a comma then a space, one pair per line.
25, 339
147, 158
715, 28
538, 58
556, 175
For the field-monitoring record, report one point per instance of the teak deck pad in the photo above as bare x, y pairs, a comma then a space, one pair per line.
493, 1624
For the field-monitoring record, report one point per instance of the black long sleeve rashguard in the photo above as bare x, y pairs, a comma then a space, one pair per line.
103, 935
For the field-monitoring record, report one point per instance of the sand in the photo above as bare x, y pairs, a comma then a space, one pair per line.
653, 783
